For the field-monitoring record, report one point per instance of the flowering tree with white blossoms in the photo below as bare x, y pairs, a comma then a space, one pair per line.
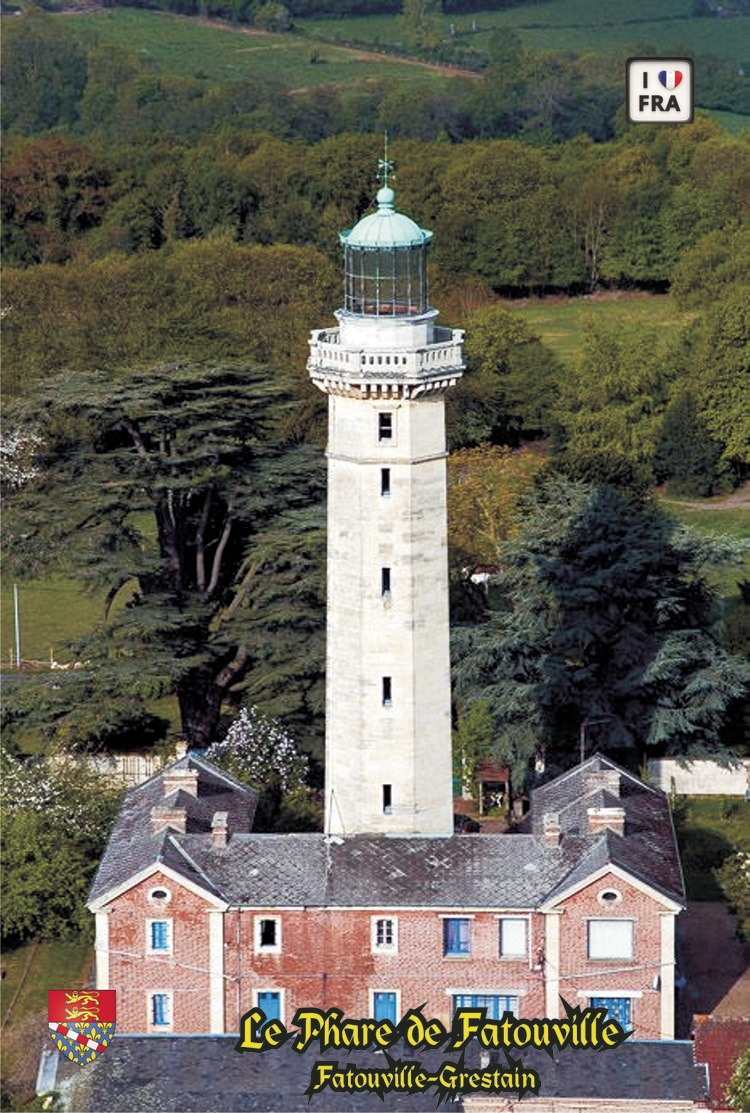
258, 750
19, 447
55, 813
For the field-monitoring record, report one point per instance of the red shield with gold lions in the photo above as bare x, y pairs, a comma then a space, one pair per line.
81, 1022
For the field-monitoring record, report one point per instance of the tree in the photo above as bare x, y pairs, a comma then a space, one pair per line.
472, 743
511, 385
686, 455
421, 22
259, 751
176, 487
56, 815
738, 1091
611, 407
485, 488
605, 621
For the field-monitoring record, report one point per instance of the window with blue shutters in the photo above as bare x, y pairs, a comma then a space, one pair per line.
618, 1008
159, 936
456, 936
161, 1010
270, 1001
385, 1005
495, 1003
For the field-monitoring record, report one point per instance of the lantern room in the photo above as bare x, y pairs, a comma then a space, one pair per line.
385, 258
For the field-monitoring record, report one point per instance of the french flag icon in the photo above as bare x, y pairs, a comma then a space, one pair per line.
670, 79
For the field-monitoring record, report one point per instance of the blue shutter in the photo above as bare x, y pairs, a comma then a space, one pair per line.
159, 935
160, 1008
270, 1002
619, 1008
384, 1006
456, 937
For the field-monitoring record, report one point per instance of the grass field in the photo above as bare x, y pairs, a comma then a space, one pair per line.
611, 26
28, 973
50, 612
192, 48
559, 322
709, 829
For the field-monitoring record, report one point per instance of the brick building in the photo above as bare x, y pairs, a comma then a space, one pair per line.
198, 919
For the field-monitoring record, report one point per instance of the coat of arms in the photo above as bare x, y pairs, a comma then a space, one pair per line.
81, 1022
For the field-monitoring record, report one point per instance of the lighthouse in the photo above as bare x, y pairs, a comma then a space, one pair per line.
386, 370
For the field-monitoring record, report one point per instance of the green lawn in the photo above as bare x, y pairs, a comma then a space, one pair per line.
559, 321
190, 48
51, 612
709, 829
610, 26
28, 973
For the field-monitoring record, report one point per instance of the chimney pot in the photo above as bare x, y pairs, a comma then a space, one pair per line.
606, 819
176, 779
220, 829
552, 831
164, 816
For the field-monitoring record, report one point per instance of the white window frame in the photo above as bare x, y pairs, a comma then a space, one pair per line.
267, 948
169, 949
521, 955
391, 439
151, 1025
383, 948
159, 900
271, 989
600, 951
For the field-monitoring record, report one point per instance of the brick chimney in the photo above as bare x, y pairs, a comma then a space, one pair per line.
606, 780
551, 826
180, 778
220, 829
606, 819
162, 815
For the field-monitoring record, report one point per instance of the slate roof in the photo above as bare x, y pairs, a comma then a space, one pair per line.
194, 1073
647, 851
132, 846
481, 871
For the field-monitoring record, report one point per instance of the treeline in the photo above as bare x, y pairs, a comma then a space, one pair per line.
52, 78
519, 219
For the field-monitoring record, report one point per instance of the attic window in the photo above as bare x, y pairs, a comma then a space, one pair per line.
609, 897
160, 894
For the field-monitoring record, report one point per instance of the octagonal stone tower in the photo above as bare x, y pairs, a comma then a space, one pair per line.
385, 371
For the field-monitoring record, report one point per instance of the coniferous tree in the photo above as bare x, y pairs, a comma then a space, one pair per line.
174, 495
607, 628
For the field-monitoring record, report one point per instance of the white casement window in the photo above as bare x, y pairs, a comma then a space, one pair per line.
158, 937
385, 426
384, 935
610, 939
268, 935
159, 1011
513, 933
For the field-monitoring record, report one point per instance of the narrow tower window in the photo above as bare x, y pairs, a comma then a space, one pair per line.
385, 426
387, 800
385, 481
385, 582
387, 691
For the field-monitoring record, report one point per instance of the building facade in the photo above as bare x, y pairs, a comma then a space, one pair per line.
199, 919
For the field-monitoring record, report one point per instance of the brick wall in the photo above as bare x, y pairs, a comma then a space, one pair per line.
605, 977
327, 961
183, 971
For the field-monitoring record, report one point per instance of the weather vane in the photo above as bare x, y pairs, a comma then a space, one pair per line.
385, 166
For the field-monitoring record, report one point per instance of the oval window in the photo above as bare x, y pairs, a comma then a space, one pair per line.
609, 896
159, 894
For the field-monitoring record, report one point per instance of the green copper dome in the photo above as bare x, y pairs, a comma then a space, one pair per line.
386, 229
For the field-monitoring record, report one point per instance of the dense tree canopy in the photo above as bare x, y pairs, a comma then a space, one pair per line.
56, 816
175, 494
607, 625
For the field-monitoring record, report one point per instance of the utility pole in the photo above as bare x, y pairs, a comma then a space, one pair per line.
18, 625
